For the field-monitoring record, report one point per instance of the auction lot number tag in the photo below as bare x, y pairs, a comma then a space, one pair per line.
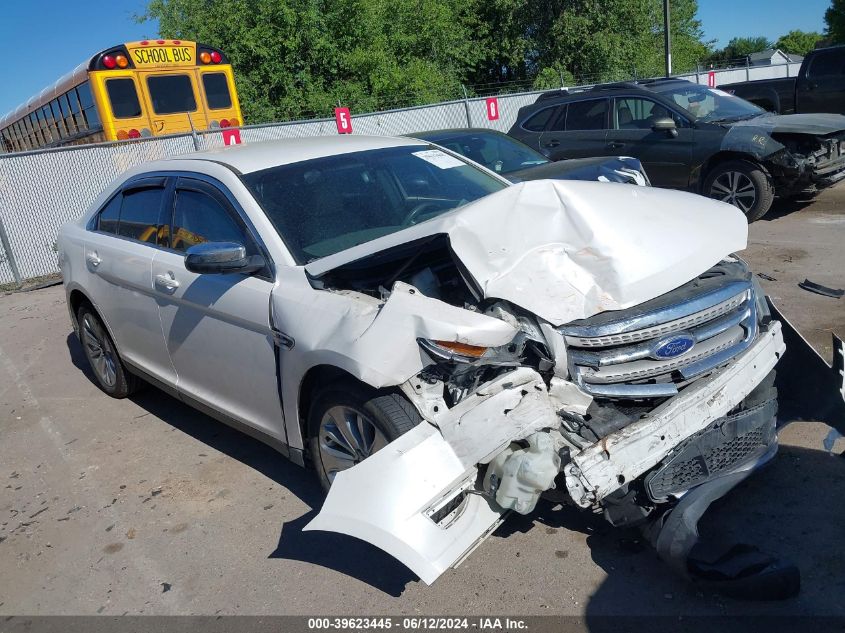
493, 109
343, 120
231, 137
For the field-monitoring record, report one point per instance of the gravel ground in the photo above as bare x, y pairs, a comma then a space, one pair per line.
144, 506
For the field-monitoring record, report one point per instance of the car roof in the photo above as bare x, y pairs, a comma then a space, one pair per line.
250, 157
430, 135
642, 86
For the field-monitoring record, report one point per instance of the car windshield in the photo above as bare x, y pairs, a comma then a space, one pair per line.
709, 104
496, 152
325, 205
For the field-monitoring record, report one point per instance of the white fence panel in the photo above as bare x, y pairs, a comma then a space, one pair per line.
40, 191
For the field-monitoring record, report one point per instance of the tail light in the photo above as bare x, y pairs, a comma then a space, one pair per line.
234, 122
224, 123
133, 133
122, 135
109, 59
205, 57
216, 57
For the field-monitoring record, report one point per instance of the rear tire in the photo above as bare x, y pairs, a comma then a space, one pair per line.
743, 184
347, 423
109, 371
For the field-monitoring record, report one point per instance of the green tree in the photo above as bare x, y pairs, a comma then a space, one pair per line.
740, 47
834, 18
798, 42
299, 58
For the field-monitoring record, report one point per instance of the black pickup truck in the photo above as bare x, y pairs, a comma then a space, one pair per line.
819, 86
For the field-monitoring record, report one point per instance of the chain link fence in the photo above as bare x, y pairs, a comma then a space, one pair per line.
42, 190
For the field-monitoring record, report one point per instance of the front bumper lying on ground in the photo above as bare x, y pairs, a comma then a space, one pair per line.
419, 498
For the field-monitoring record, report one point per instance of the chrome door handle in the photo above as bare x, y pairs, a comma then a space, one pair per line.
93, 259
615, 145
167, 282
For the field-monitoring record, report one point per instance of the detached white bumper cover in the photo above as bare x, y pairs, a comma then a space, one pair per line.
395, 499
626, 454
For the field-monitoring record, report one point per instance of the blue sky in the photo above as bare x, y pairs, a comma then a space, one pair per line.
47, 38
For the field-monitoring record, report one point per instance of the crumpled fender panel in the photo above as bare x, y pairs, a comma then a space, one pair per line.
376, 341
567, 250
393, 498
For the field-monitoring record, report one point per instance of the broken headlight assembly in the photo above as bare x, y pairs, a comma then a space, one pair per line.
462, 367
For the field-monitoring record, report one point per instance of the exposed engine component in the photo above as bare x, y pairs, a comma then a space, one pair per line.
519, 475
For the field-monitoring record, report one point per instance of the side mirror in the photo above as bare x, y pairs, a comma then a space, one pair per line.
221, 258
665, 124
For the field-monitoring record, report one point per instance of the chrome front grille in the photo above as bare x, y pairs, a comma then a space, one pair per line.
617, 355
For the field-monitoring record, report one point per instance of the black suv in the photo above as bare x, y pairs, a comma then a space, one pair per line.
692, 137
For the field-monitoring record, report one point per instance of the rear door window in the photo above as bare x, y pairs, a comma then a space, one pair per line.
537, 122
587, 115
171, 94
109, 216
140, 214
216, 91
123, 98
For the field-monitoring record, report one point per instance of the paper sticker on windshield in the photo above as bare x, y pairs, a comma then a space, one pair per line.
439, 159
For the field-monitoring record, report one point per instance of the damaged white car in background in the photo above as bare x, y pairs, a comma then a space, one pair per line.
446, 348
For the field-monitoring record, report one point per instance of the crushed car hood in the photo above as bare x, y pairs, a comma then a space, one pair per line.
600, 168
816, 124
566, 250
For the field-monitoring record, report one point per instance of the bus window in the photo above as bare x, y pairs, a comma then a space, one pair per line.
57, 115
86, 100
216, 91
123, 98
35, 134
171, 94
51, 124
66, 115
75, 109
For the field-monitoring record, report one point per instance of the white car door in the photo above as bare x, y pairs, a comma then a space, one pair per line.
217, 326
119, 250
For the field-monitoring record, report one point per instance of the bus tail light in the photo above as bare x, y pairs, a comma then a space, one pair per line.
117, 57
216, 57
205, 57
234, 122
224, 123
122, 135
133, 133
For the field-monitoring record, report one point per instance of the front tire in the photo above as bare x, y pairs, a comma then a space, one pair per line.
347, 424
109, 371
743, 184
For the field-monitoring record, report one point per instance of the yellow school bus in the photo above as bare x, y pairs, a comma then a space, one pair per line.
134, 90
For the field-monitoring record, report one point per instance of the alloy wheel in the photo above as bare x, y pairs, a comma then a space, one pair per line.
99, 350
347, 436
736, 188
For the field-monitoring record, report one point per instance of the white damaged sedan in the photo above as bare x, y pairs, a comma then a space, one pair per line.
440, 346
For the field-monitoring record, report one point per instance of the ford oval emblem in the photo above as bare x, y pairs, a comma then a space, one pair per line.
673, 346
